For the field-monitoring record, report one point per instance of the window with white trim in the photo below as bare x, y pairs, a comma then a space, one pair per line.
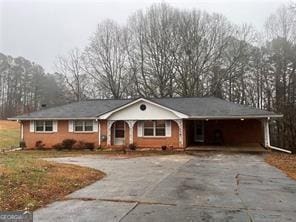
83, 126
43, 126
154, 128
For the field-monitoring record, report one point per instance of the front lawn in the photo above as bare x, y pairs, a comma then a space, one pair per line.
9, 134
27, 182
283, 161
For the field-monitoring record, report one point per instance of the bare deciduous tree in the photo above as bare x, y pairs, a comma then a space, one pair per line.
70, 66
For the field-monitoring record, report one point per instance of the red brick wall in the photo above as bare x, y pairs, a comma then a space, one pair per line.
234, 132
103, 128
50, 139
185, 134
157, 142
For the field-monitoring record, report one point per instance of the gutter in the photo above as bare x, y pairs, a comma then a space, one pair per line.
236, 117
184, 117
43, 118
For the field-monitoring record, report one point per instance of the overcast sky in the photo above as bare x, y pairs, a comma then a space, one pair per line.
40, 30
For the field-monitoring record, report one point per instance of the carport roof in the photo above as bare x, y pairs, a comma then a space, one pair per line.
193, 107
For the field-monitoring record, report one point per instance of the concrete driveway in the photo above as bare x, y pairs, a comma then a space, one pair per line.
216, 187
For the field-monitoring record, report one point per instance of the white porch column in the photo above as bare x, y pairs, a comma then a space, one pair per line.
266, 133
109, 125
180, 125
131, 124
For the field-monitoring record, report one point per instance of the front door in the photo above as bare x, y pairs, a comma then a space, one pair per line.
118, 133
199, 131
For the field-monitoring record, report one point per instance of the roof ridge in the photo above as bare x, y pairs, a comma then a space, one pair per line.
106, 99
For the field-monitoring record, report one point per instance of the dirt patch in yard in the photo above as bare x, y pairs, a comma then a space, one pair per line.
27, 182
284, 162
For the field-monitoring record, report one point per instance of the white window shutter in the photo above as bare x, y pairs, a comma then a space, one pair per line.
71, 127
140, 128
55, 126
95, 126
168, 128
32, 126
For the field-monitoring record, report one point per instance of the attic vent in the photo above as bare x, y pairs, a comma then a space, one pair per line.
143, 107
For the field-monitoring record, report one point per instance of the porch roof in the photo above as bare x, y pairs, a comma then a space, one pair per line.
193, 107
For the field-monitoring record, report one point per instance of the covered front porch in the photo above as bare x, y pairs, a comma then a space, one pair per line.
145, 133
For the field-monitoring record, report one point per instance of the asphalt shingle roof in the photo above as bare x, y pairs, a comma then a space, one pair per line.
191, 106
210, 106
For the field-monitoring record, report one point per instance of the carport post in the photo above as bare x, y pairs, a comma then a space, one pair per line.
266, 132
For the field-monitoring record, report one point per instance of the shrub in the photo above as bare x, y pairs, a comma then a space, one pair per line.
83, 145
79, 145
23, 144
124, 149
39, 145
132, 146
90, 146
58, 146
163, 148
68, 143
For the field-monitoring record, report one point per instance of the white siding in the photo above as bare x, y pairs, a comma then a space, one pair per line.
134, 112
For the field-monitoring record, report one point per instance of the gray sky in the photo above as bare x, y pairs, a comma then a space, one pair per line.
42, 30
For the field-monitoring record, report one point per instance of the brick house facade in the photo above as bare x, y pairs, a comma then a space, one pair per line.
148, 124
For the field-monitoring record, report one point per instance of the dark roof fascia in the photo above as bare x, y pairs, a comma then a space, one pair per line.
237, 117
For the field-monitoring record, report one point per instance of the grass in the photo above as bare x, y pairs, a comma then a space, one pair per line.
284, 162
27, 182
9, 134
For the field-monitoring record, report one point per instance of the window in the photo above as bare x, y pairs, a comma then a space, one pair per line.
78, 125
43, 126
154, 128
88, 125
160, 128
143, 107
149, 128
81, 125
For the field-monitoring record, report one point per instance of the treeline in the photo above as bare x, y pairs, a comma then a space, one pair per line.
24, 87
167, 52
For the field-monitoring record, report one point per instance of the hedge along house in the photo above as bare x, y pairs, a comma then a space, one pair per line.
175, 123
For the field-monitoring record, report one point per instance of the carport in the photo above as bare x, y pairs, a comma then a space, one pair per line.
223, 134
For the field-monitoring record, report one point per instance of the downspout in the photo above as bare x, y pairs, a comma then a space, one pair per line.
280, 149
267, 138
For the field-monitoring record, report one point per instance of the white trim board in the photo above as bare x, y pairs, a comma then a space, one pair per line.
53, 118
